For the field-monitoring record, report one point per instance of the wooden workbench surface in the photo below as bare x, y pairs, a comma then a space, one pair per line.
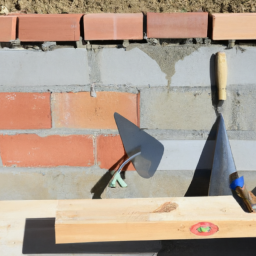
13, 215
38, 217
123, 219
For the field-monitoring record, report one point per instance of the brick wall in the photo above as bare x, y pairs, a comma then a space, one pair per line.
63, 110
59, 140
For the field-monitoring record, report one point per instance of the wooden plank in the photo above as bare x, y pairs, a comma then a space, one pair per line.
15, 242
177, 25
13, 215
231, 26
80, 221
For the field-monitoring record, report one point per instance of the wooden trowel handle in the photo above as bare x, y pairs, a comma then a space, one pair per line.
248, 198
221, 74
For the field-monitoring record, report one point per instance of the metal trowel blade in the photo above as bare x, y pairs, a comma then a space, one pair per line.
136, 140
223, 163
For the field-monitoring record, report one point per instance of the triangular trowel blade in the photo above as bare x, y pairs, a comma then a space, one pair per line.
223, 163
135, 140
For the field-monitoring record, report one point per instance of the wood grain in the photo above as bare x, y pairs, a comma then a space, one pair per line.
232, 26
80, 221
13, 215
222, 73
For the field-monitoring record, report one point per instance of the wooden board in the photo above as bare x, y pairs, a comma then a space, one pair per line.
38, 237
149, 219
229, 26
13, 215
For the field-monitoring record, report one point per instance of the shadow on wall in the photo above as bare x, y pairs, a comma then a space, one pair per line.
200, 182
101, 185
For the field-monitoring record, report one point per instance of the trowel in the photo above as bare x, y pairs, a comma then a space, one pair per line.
143, 150
224, 176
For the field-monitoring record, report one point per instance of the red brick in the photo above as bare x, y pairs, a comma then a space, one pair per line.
49, 27
80, 110
111, 153
113, 26
25, 110
228, 26
30, 150
7, 28
177, 25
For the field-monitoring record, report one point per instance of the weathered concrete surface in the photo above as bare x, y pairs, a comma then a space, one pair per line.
244, 109
198, 69
72, 183
181, 108
139, 66
185, 108
167, 57
78, 183
36, 68
158, 133
133, 67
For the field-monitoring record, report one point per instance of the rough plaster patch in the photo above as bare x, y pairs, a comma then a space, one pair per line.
198, 69
167, 56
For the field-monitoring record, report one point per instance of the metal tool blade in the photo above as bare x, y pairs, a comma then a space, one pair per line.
223, 163
136, 140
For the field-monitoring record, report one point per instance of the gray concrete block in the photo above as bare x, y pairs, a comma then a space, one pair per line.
36, 68
198, 68
78, 183
133, 67
184, 108
44, 183
181, 109
75, 183
198, 154
244, 106
162, 184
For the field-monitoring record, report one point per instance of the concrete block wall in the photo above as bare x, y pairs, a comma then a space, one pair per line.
57, 141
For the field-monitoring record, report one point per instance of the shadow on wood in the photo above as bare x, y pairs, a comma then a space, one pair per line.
39, 237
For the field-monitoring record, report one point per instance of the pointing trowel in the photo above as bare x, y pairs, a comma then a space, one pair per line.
224, 176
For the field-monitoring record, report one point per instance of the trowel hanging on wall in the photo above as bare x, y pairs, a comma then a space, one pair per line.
224, 176
144, 151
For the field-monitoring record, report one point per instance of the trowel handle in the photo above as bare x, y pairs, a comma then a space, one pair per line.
248, 198
221, 65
